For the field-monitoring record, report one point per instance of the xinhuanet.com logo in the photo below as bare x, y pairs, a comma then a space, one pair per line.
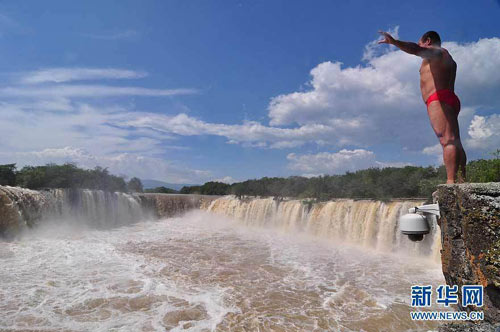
447, 315
421, 297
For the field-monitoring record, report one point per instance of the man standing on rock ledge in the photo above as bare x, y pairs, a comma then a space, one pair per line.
437, 84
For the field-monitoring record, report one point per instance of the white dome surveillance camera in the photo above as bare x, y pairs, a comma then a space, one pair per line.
417, 222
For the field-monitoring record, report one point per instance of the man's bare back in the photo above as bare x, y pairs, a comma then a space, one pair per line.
437, 85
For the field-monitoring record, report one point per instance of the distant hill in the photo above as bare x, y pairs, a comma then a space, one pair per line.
149, 184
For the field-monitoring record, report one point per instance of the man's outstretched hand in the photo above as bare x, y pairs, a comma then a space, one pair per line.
388, 39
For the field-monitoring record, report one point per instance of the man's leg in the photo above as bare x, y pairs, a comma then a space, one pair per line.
445, 124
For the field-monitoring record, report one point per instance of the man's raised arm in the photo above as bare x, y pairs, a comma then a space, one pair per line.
409, 47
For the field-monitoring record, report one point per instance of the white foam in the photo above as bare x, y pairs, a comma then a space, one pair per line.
201, 266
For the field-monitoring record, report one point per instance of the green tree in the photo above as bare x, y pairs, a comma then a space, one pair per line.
135, 185
214, 188
8, 175
32, 177
69, 176
190, 190
483, 170
161, 190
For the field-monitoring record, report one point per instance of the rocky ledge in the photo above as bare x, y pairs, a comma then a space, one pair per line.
470, 236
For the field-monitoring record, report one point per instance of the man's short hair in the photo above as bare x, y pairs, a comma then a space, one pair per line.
434, 37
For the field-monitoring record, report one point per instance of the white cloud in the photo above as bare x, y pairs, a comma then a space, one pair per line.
331, 163
73, 123
250, 132
347, 106
122, 164
373, 49
36, 117
89, 91
433, 150
360, 106
59, 75
383, 164
480, 129
383, 96
478, 82
26, 128
484, 132
352, 92
483, 138
226, 179
337, 162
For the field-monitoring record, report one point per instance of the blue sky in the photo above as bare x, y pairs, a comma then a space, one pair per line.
191, 91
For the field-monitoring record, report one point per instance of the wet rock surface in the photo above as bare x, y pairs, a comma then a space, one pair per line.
469, 327
470, 235
169, 205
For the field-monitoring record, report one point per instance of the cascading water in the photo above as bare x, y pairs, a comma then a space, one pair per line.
206, 272
96, 208
21, 207
372, 224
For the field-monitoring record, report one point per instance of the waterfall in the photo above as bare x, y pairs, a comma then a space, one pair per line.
371, 224
21, 208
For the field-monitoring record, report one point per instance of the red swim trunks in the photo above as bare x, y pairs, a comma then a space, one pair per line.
446, 96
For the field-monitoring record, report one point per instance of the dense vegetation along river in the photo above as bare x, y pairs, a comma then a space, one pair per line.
202, 272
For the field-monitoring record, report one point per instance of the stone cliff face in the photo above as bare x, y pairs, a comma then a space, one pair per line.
21, 208
470, 234
169, 205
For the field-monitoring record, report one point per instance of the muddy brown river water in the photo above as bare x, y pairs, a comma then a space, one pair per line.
202, 272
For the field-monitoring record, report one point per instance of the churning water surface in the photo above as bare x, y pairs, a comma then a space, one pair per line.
202, 272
